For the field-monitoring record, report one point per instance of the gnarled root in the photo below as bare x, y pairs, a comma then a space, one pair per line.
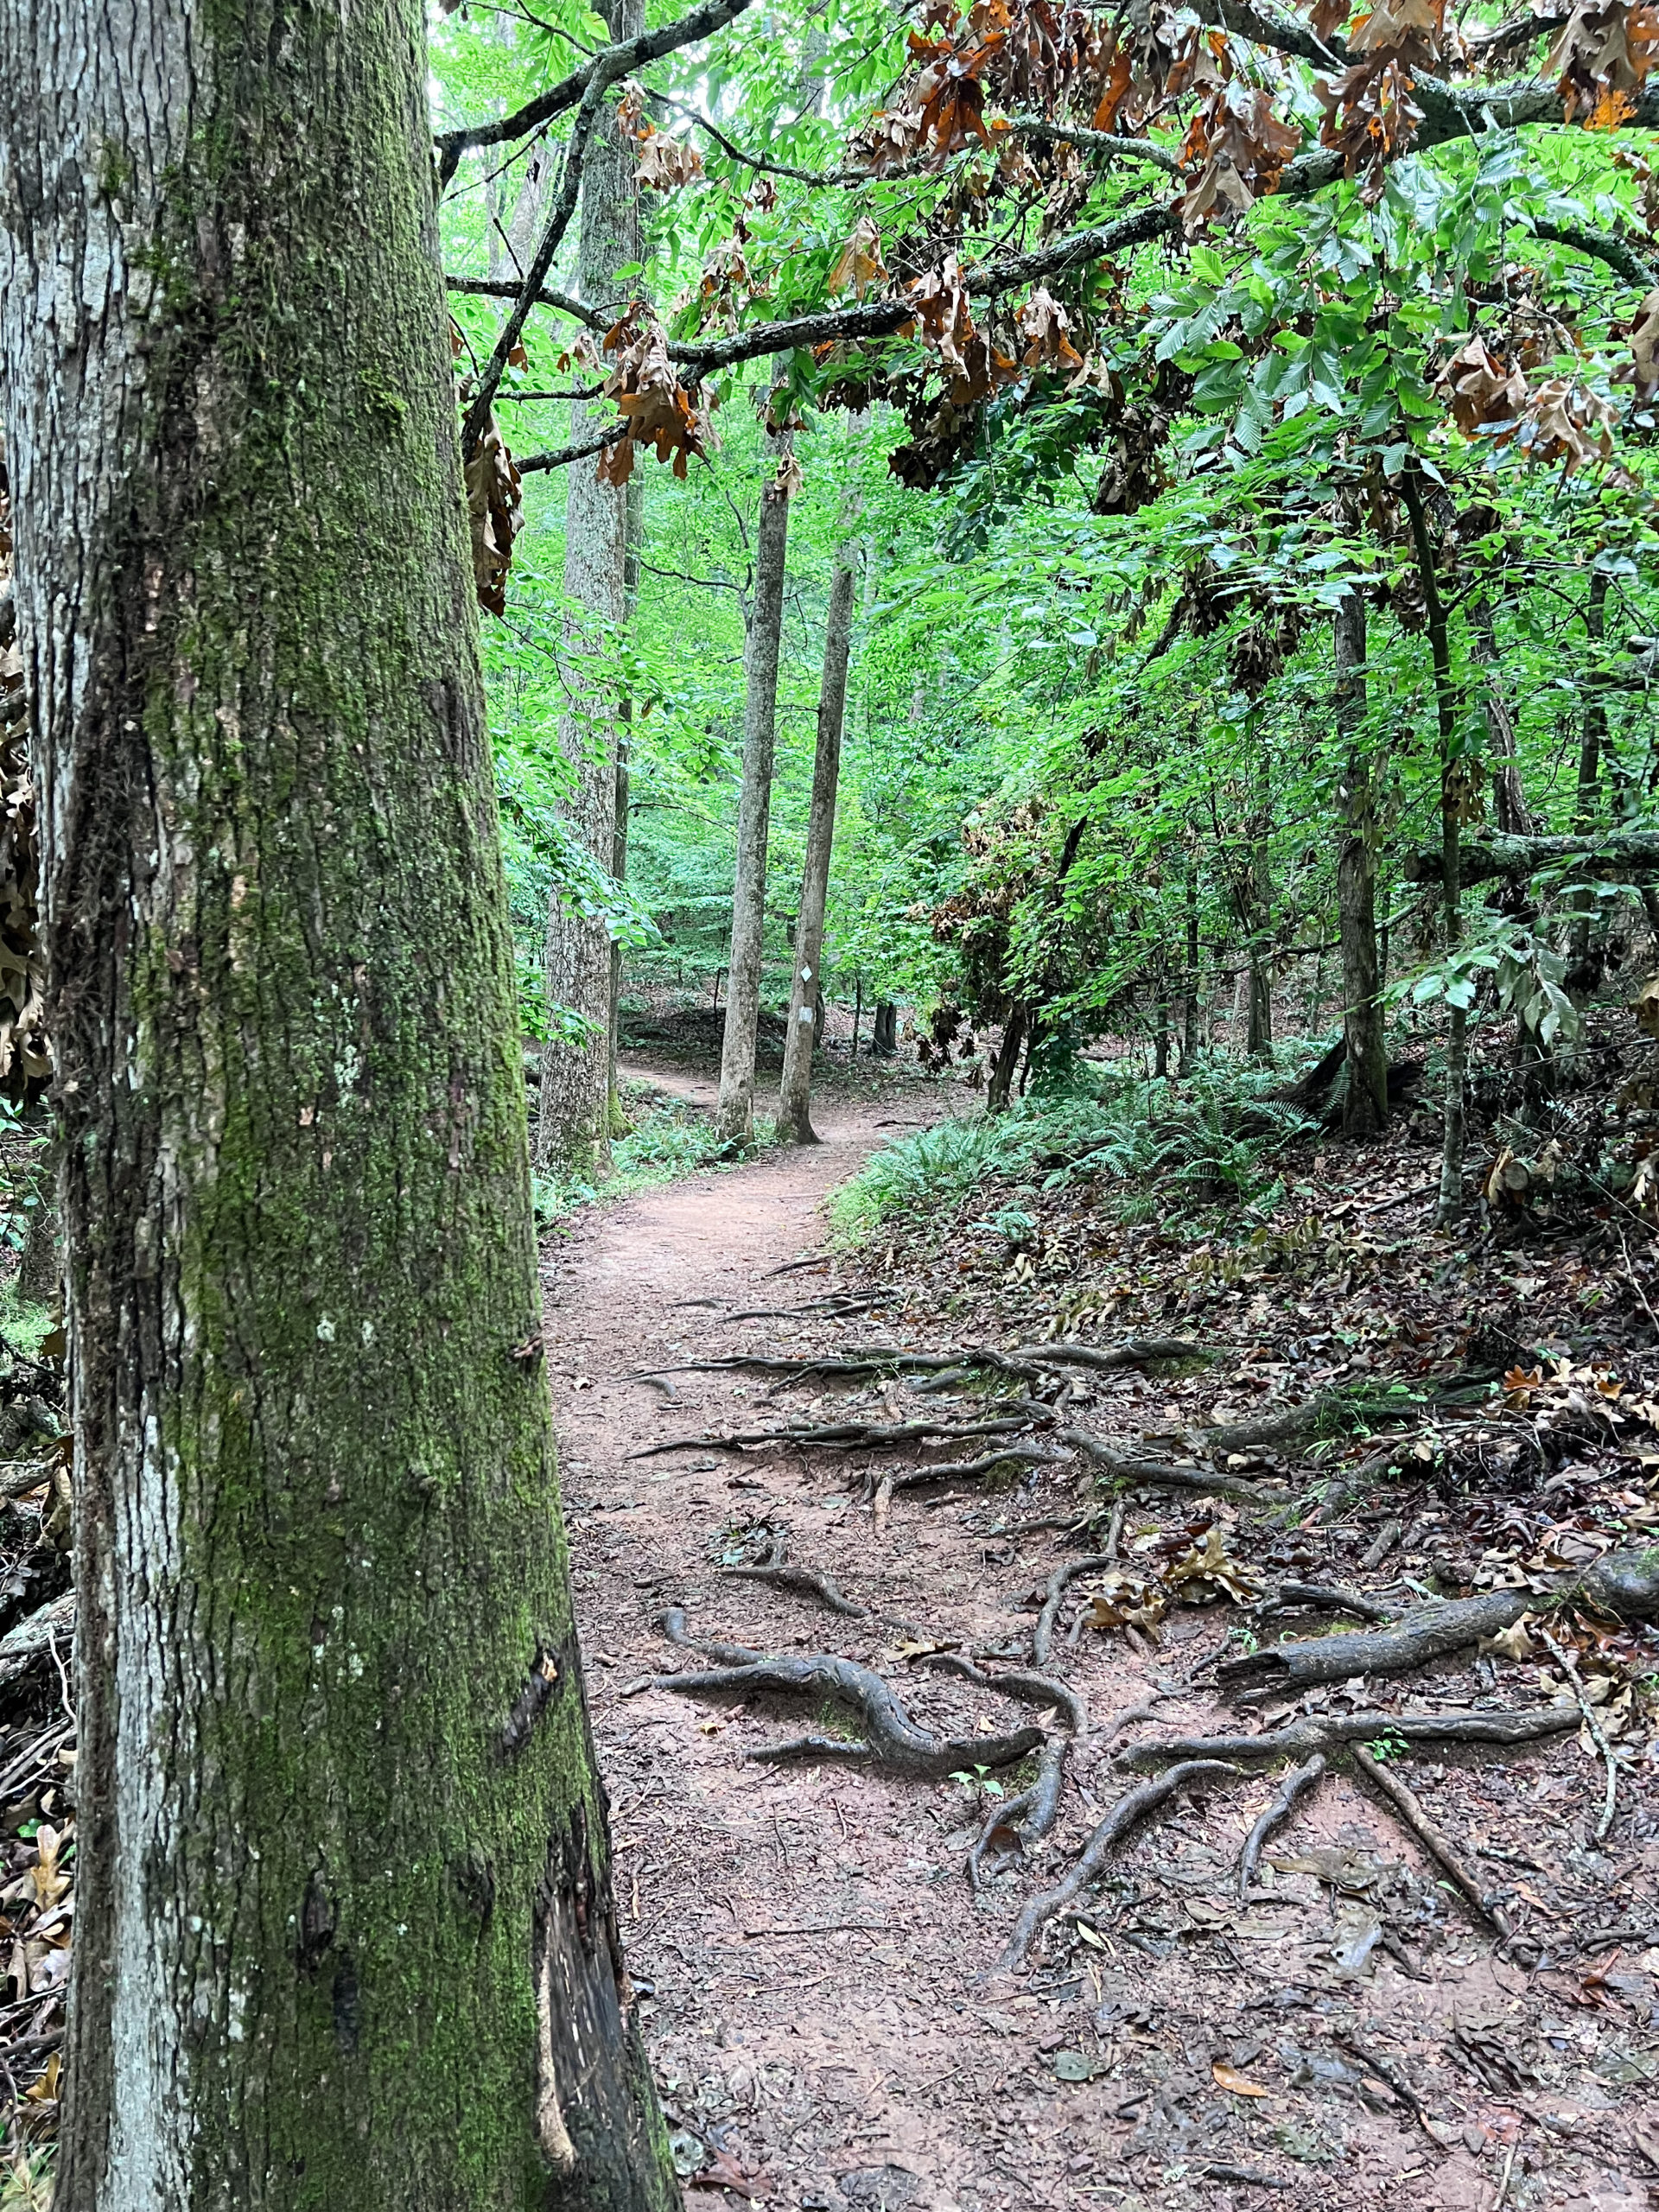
1029, 1816
775, 1568
1132, 1807
1294, 1785
891, 1736
1404, 1803
1166, 1472
1625, 1584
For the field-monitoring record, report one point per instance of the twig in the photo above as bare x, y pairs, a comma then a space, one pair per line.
1327, 1600
1247, 2176
1570, 1667
1132, 1807
1294, 1785
1390, 2076
1406, 1805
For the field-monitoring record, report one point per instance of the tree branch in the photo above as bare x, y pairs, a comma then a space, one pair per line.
614, 61
529, 464
1602, 245
490, 288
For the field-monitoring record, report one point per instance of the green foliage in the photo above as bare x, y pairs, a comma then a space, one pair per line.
666, 1141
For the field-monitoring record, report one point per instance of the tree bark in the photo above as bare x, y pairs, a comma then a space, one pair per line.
734, 1116
1510, 808
633, 540
1000, 1088
1365, 1105
1457, 1039
573, 1129
344, 1930
39, 1266
806, 990
1191, 1010
1584, 976
884, 1037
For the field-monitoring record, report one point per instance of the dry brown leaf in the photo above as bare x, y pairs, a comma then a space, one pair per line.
859, 262
1226, 2077
496, 513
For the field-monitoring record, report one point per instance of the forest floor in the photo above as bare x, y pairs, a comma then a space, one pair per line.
825, 1995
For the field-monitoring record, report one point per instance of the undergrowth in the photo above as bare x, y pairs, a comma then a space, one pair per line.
666, 1140
1212, 1138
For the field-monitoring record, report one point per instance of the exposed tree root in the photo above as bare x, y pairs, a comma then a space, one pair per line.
1029, 1816
1406, 1805
1133, 1806
1326, 1731
1029, 1455
1042, 1637
1325, 1598
1165, 1471
849, 1436
775, 1568
49, 1629
1027, 1362
892, 1738
1625, 1584
1569, 1666
1137, 1352
1294, 1785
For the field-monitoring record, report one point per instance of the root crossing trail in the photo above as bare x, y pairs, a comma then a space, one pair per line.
823, 2003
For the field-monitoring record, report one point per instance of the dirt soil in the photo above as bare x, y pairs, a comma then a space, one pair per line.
823, 2000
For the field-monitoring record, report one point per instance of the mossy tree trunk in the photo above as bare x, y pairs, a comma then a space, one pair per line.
344, 1928
573, 1125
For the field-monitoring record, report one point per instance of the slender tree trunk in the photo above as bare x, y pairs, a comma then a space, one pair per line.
1452, 786
1510, 808
344, 1931
1585, 976
39, 1266
573, 1130
1161, 1022
884, 1037
1191, 1014
1365, 1104
634, 531
1259, 921
806, 991
735, 1117
1000, 1088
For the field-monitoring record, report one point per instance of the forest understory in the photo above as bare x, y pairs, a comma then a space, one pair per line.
984, 1530
1369, 1420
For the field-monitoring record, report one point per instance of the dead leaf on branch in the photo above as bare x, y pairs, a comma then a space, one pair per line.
1482, 391
859, 262
1601, 58
659, 409
1370, 118
665, 164
1644, 347
1239, 147
496, 513
1043, 323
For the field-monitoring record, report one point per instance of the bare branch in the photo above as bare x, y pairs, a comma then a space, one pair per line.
614, 61
1602, 245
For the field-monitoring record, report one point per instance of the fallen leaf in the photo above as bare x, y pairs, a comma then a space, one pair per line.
1225, 2078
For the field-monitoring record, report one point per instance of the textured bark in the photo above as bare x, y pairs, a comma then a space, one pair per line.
1192, 1004
1446, 711
344, 1930
806, 990
1585, 974
1365, 1105
573, 1129
632, 542
1000, 1090
734, 1116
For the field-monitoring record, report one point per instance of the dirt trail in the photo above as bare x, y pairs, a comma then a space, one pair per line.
822, 2006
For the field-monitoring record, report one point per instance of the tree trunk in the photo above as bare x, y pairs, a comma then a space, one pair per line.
806, 991
884, 1037
1258, 920
1585, 976
344, 1931
1192, 1011
1160, 1023
734, 1116
1457, 1040
1000, 1088
1510, 807
633, 538
39, 1266
1365, 1105
573, 1130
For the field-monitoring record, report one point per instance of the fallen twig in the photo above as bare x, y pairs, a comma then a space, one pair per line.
1323, 1732
1166, 1471
1133, 1806
1570, 1667
1246, 2176
1406, 1805
891, 1736
1391, 2078
1294, 1785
